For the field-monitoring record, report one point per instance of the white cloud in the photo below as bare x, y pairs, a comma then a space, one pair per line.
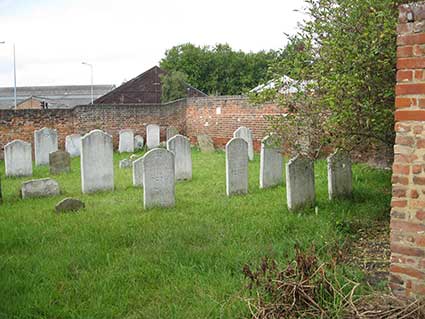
124, 38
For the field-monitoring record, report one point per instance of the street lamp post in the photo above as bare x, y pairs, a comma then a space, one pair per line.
91, 76
14, 72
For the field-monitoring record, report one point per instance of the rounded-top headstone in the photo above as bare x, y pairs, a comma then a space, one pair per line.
158, 178
246, 134
340, 179
236, 166
300, 189
271, 162
138, 142
171, 131
59, 162
73, 145
126, 141
45, 142
179, 145
152, 136
18, 158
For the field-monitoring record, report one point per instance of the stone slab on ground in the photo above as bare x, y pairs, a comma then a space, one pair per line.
44, 187
69, 205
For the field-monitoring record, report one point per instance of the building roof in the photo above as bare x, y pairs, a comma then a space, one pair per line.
146, 88
63, 96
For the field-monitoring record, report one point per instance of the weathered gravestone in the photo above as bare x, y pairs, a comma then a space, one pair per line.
152, 136
300, 190
59, 162
179, 145
340, 179
138, 142
158, 178
40, 188
138, 172
205, 143
73, 144
45, 142
126, 141
125, 163
236, 166
97, 169
271, 163
171, 131
69, 205
246, 134
18, 158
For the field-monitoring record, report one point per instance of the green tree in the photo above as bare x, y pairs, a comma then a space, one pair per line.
343, 59
174, 86
219, 70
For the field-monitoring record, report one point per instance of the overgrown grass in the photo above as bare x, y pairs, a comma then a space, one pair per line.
116, 260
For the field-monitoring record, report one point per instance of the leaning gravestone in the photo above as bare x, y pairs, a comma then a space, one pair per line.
340, 179
246, 134
69, 205
59, 162
158, 178
205, 143
138, 142
152, 136
126, 141
45, 142
171, 131
18, 158
236, 166
138, 172
97, 169
179, 145
271, 163
73, 144
40, 188
300, 190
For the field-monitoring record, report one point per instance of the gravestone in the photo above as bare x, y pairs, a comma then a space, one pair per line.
45, 142
18, 158
236, 166
205, 143
138, 172
59, 162
1, 194
158, 178
179, 145
69, 205
73, 144
138, 142
171, 131
246, 134
40, 188
126, 141
340, 178
152, 136
97, 169
300, 190
125, 163
271, 163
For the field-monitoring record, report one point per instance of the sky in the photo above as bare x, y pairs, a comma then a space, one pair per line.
122, 39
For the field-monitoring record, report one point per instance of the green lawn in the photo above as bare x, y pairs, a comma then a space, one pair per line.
116, 260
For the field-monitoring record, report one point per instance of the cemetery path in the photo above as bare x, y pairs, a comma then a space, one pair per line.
370, 251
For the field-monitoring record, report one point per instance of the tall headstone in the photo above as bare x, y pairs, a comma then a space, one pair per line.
45, 142
236, 166
205, 143
138, 172
18, 158
171, 131
246, 134
340, 178
271, 163
44, 187
179, 145
126, 141
158, 178
59, 162
300, 191
97, 169
73, 145
138, 142
152, 136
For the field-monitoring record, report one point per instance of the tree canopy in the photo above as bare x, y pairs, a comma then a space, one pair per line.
219, 70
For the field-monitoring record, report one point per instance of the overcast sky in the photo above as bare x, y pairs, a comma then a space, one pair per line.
124, 38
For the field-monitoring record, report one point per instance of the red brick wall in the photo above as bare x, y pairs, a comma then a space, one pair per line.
189, 116
408, 203
220, 116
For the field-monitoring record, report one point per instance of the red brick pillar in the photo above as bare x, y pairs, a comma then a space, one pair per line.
408, 202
